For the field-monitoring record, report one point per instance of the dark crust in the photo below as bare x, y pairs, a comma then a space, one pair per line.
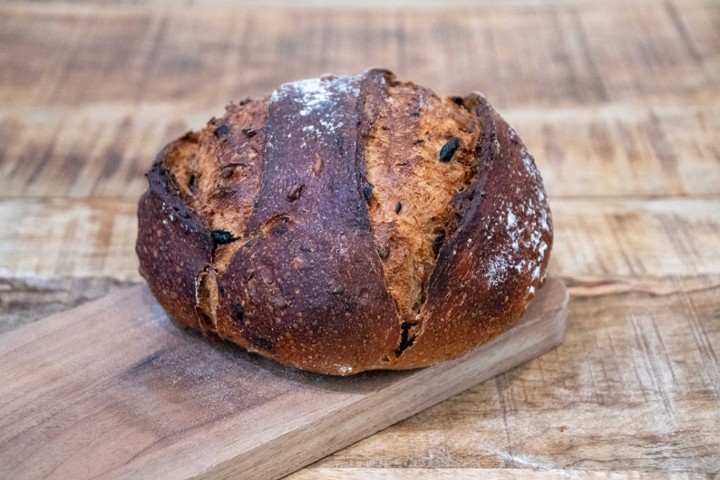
305, 285
308, 278
463, 308
167, 226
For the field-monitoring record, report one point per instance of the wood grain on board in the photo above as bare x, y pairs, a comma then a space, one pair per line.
618, 100
114, 381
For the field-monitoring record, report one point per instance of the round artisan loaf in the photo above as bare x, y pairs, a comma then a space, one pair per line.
347, 223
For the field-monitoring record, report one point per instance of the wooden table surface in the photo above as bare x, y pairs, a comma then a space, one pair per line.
618, 100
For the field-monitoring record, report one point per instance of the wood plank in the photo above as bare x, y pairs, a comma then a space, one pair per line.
634, 387
616, 150
624, 149
320, 4
58, 238
605, 390
111, 388
48, 238
636, 237
25, 300
324, 473
604, 52
580, 98
58, 253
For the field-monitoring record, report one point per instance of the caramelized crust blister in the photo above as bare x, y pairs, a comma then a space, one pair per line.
346, 224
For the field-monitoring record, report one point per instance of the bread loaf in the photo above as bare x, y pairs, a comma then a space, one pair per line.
347, 223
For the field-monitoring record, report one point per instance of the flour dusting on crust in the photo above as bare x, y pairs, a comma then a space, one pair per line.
318, 97
525, 236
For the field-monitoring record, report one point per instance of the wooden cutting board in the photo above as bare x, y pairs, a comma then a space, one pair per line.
114, 389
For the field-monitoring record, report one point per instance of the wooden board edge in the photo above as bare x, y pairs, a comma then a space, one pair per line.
546, 313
